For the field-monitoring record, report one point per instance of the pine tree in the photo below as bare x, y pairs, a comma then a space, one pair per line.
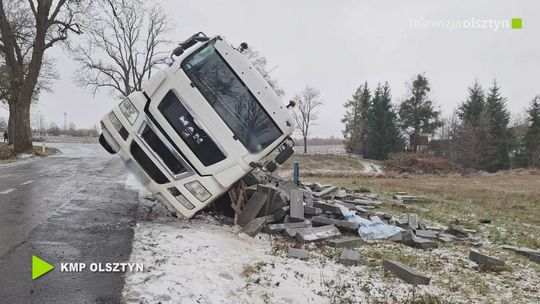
495, 154
532, 137
417, 113
471, 110
355, 120
471, 133
383, 135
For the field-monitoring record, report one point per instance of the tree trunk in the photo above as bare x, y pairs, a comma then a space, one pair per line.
21, 127
10, 125
305, 144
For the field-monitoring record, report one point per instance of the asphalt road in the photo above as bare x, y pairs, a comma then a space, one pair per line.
71, 207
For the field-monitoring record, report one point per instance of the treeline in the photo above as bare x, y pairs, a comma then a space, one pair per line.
478, 135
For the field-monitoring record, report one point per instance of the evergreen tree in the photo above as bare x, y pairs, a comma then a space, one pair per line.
471, 110
471, 133
355, 120
532, 137
417, 112
495, 154
383, 135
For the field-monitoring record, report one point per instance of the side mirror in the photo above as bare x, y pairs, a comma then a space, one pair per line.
178, 51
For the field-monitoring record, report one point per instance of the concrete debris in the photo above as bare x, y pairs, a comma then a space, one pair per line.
312, 212
412, 220
349, 257
484, 260
346, 242
327, 207
317, 233
276, 228
426, 234
297, 205
297, 253
406, 273
411, 199
309, 210
325, 192
256, 225
533, 255
252, 208
346, 225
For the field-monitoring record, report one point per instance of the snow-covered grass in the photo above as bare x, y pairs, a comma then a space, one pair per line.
206, 261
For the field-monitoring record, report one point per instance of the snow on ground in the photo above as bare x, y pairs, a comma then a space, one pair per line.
371, 168
204, 261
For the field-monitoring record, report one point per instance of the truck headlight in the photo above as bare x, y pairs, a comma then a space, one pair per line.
181, 198
115, 122
198, 190
129, 110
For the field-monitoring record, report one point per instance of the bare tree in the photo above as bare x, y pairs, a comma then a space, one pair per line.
305, 113
121, 46
27, 29
38, 122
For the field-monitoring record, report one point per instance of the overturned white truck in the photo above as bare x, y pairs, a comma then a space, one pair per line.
200, 125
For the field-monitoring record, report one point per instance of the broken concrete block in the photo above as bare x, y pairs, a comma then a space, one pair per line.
424, 244
396, 238
458, 232
317, 233
410, 199
346, 225
291, 232
275, 228
279, 215
399, 193
346, 242
482, 259
407, 237
526, 251
534, 257
327, 207
325, 192
252, 208
297, 253
297, 205
341, 194
349, 257
426, 234
445, 237
412, 220
365, 202
406, 273
254, 226
312, 210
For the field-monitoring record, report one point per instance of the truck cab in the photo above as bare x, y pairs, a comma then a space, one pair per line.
200, 125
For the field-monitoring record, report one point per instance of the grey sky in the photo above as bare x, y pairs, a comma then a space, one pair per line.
336, 45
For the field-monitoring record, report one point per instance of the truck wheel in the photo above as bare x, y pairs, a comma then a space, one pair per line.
105, 144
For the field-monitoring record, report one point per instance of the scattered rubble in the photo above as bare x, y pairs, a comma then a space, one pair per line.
346, 242
406, 273
533, 255
484, 260
349, 257
297, 253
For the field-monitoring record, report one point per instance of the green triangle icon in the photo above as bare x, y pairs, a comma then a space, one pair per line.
40, 267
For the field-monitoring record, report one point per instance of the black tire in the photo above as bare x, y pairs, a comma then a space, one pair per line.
105, 144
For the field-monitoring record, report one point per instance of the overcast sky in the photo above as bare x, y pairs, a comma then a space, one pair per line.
335, 46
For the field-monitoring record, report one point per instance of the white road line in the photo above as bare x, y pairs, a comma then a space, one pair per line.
28, 182
7, 191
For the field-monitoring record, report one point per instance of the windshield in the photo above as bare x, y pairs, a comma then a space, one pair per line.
231, 99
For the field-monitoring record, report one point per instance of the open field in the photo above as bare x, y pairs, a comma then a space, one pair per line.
510, 199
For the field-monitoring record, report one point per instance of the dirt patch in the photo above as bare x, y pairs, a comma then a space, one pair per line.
419, 164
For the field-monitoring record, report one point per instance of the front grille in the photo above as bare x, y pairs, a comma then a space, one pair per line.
162, 151
147, 164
